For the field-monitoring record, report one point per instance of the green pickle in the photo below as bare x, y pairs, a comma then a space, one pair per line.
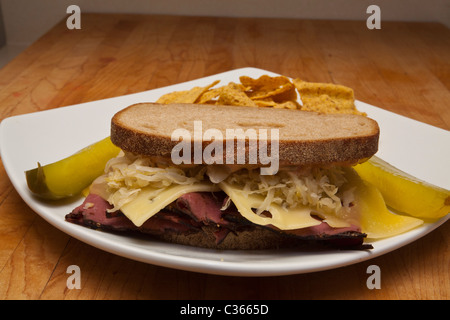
70, 176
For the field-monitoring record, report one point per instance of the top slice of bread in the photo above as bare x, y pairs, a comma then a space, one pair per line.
305, 138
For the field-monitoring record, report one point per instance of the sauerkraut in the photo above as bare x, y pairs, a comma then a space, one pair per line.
126, 175
317, 188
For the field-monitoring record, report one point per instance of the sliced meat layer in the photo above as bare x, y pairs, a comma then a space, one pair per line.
194, 211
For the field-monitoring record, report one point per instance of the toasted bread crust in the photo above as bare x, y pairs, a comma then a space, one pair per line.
252, 239
305, 138
261, 238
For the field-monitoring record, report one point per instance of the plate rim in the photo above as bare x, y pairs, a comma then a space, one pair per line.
219, 266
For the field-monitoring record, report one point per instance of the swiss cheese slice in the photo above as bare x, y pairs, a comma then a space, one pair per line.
146, 204
375, 219
296, 218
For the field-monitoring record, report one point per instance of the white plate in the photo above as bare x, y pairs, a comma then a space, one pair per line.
50, 135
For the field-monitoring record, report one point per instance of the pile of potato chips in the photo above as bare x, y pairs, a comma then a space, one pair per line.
275, 92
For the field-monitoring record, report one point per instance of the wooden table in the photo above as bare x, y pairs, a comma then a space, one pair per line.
404, 68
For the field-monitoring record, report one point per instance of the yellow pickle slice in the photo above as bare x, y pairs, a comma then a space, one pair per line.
403, 192
69, 176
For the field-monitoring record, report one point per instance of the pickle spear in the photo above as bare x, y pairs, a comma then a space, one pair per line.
69, 176
404, 192
376, 220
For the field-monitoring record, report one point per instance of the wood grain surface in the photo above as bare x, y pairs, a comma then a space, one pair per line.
403, 68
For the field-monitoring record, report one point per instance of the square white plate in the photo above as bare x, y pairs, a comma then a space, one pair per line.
417, 148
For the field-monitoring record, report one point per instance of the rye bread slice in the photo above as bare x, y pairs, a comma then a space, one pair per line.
305, 138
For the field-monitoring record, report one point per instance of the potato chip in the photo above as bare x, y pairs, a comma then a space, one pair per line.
271, 92
330, 89
263, 83
265, 103
282, 94
287, 105
188, 96
326, 97
210, 96
171, 97
233, 94
269, 103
